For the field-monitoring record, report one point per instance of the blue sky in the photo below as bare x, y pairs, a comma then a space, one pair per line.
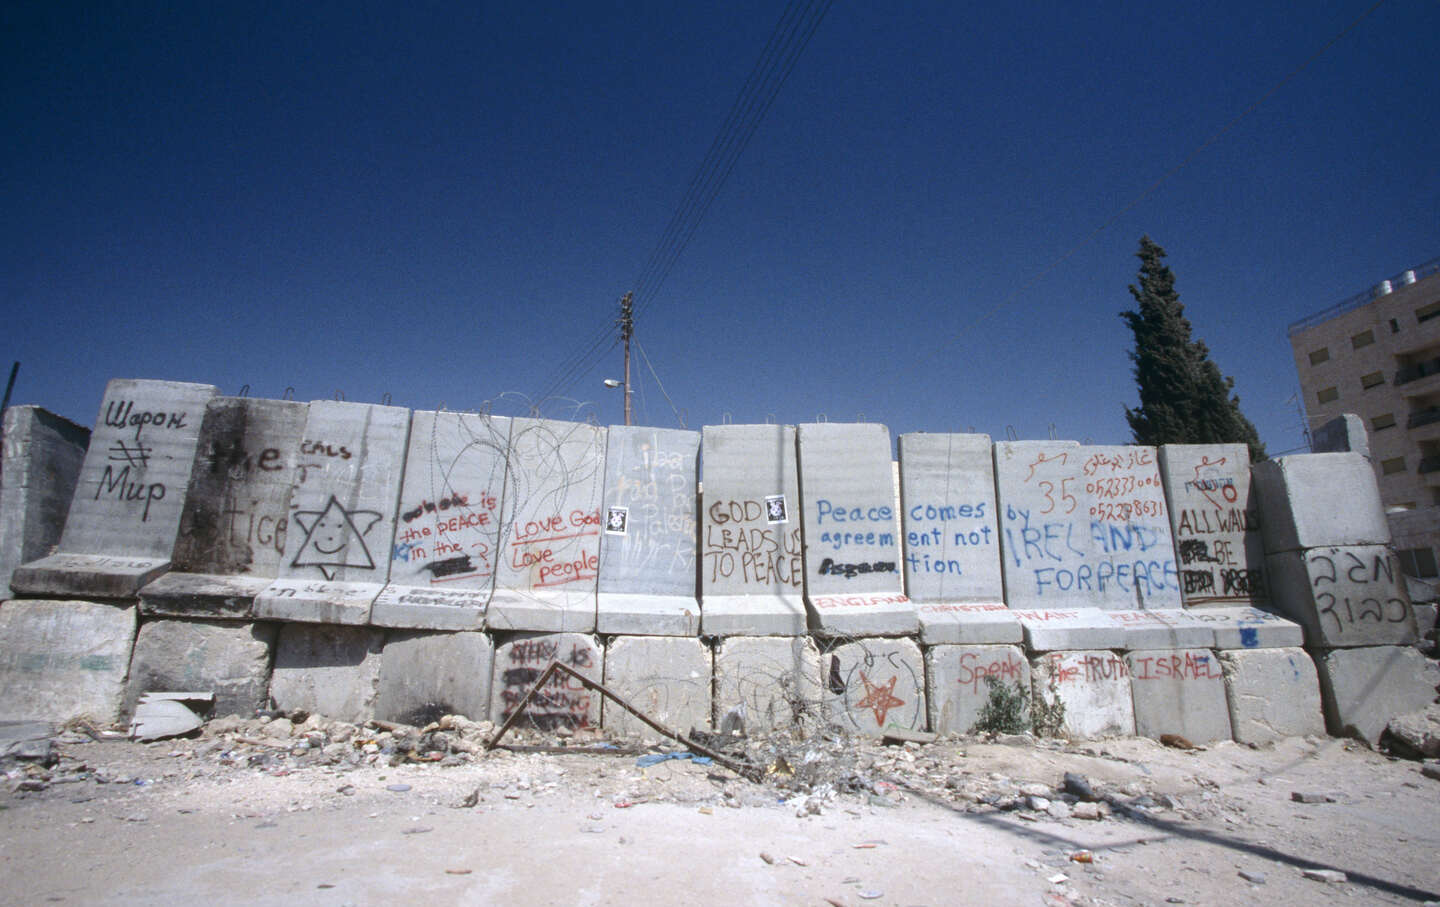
444, 202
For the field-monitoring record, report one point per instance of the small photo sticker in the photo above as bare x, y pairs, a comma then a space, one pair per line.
617, 520
775, 510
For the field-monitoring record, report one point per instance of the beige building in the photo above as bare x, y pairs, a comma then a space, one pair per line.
1377, 355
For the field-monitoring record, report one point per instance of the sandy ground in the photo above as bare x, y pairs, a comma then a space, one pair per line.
200, 821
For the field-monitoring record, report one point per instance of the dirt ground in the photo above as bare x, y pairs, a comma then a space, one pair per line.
242, 814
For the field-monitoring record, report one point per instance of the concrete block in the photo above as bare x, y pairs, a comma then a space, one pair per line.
853, 582
550, 535
232, 527
39, 469
1168, 629
122, 522
1362, 689
770, 682
948, 518
1179, 691
1248, 628
875, 685
63, 659
666, 677
1319, 500
647, 584
1352, 596
342, 514
752, 570
1271, 693
1094, 689
328, 670
521, 658
230, 659
1215, 520
965, 623
958, 682
1425, 615
443, 562
1054, 629
1345, 432
424, 675
1084, 527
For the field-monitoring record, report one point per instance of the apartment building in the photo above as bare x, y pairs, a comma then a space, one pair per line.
1377, 355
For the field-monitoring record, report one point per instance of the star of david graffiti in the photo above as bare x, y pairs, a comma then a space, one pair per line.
335, 538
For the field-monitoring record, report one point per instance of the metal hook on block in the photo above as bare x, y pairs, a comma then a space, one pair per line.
244, 391
385, 399
289, 393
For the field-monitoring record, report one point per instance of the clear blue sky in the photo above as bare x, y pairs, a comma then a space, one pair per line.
444, 202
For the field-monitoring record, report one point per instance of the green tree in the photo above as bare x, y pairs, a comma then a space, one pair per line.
1184, 399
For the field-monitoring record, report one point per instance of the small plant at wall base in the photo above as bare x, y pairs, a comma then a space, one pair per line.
1006, 711
1184, 399
1047, 717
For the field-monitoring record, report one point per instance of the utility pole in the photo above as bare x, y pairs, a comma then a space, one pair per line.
627, 330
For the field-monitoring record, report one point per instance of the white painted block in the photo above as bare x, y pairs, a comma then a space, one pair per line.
1351, 596
520, 660
967, 623
1179, 691
1215, 519
1093, 687
1272, 693
1362, 689
665, 677
63, 659
1052, 629
959, 680
875, 685
1319, 500
768, 682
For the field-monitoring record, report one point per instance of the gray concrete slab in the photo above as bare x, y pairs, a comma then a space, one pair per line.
1052, 629
767, 682
1179, 691
1169, 629
63, 659
228, 658
968, 623
327, 670
446, 550
853, 583
343, 504
550, 535
648, 578
39, 469
232, 528
122, 522
1215, 520
873, 686
1271, 693
1319, 500
424, 675
959, 678
1350, 596
665, 677
521, 658
1084, 527
752, 572
1362, 689
950, 526
1248, 628
1094, 689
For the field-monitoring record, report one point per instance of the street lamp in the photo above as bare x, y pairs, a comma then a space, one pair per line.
616, 382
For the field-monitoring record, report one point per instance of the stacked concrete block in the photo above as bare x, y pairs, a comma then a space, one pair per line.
765, 683
959, 681
873, 686
327, 670
1090, 689
1179, 691
63, 659
1084, 527
752, 575
228, 658
39, 468
564, 702
424, 675
121, 526
341, 522
1363, 688
1164, 629
1248, 628
1319, 501
443, 561
1271, 693
237, 509
952, 540
1352, 595
1060, 629
1215, 519
550, 536
667, 678
647, 580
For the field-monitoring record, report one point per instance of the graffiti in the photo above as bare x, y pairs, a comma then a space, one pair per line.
1242, 583
825, 602
121, 488
830, 568
973, 670
1176, 666
246, 526
454, 500
321, 448
879, 698
138, 456
121, 414
766, 557
1366, 592
1086, 668
564, 702
776, 509
1197, 581
1212, 523
878, 689
334, 538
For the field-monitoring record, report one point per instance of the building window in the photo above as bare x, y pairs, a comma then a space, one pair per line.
1320, 355
1393, 465
1394, 326
1426, 312
1418, 562
1328, 395
1385, 420
1374, 379
1364, 338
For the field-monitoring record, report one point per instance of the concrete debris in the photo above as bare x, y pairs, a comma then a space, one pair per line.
1415, 735
161, 715
1332, 876
1311, 797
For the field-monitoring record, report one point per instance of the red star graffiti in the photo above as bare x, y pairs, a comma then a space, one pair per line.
879, 698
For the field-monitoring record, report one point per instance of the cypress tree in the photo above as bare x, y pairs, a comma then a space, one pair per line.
1184, 399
